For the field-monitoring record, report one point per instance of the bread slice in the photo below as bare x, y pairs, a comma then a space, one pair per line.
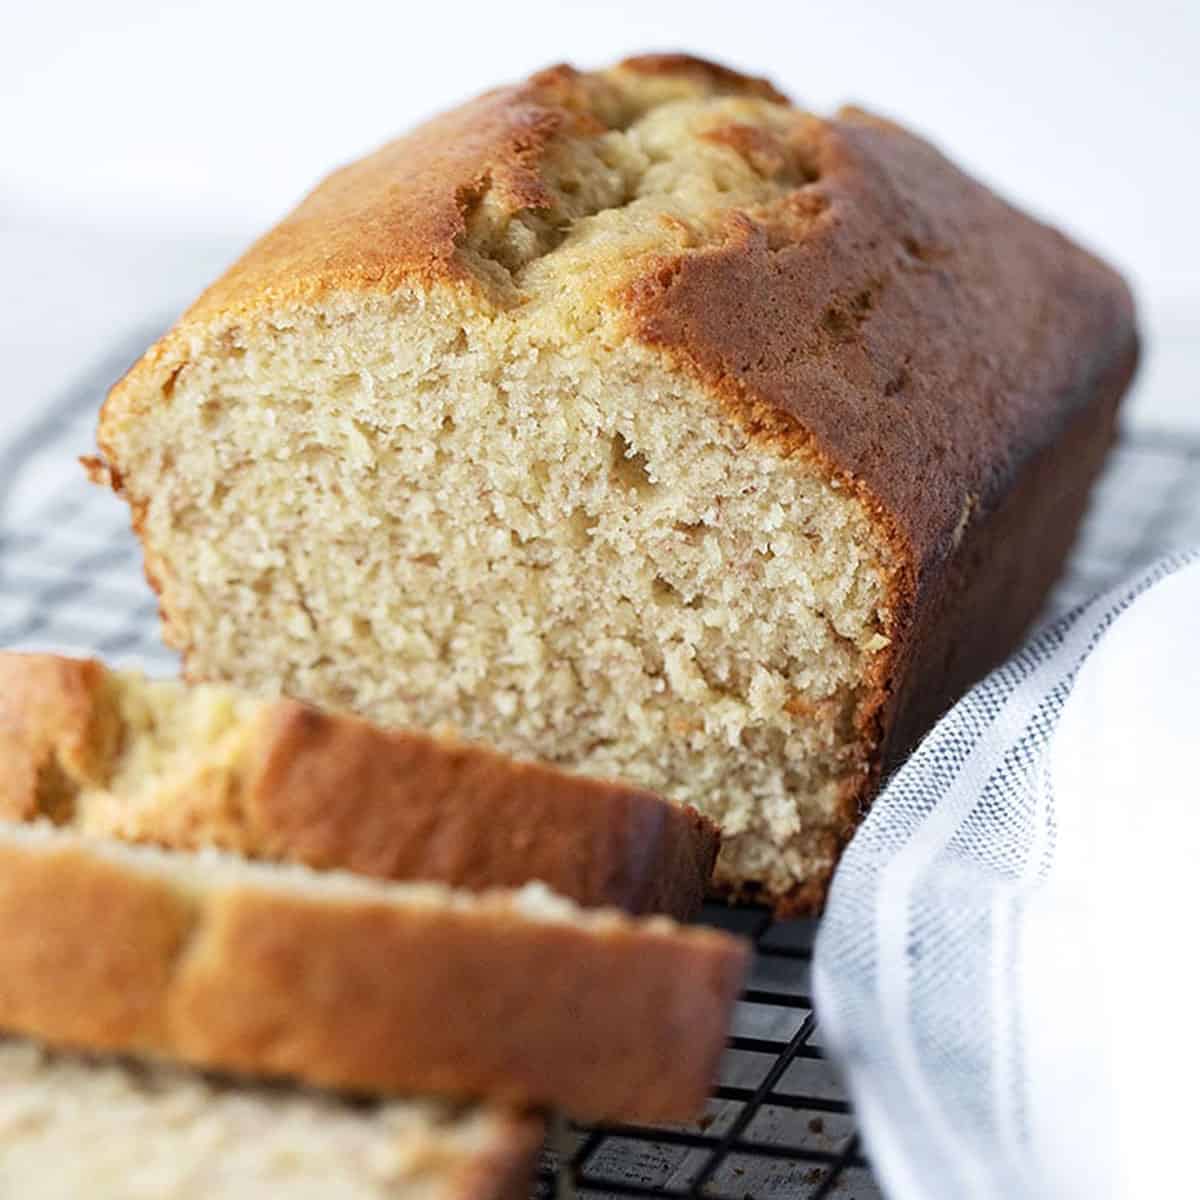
156, 761
639, 421
341, 981
74, 1126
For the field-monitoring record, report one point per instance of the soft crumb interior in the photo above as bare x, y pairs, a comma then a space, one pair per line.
74, 1125
176, 769
511, 519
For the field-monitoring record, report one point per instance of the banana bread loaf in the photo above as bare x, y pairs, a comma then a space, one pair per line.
112, 753
639, 421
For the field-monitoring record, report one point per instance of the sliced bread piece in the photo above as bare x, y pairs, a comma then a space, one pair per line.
113, 753
342, 981
75, 1125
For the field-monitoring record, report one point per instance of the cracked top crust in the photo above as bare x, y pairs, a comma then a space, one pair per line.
433, 206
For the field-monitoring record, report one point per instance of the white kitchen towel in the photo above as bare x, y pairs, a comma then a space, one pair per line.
1008, 970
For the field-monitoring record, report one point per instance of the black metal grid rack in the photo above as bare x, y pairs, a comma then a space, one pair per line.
778, 1123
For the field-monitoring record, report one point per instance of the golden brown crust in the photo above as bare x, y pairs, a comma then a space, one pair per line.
334, 791
618, 1020
87, 950
1016, 553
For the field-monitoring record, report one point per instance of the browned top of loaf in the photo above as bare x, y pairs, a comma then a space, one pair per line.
892, 315
334, 791
399, 215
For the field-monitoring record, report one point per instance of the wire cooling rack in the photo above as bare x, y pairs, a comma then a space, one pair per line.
778, 1124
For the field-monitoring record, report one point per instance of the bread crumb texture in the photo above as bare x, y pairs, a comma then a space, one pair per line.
462, 491
75, 1125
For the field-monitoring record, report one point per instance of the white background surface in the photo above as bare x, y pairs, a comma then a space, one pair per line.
144, 143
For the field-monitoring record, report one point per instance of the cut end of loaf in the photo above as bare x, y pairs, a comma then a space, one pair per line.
580, 562
485, 502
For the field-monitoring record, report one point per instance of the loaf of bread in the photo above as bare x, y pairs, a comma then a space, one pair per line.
341, 981
639, 421
112, 753
76, 1126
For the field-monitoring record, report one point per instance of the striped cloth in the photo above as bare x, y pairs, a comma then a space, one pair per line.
1005, 968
